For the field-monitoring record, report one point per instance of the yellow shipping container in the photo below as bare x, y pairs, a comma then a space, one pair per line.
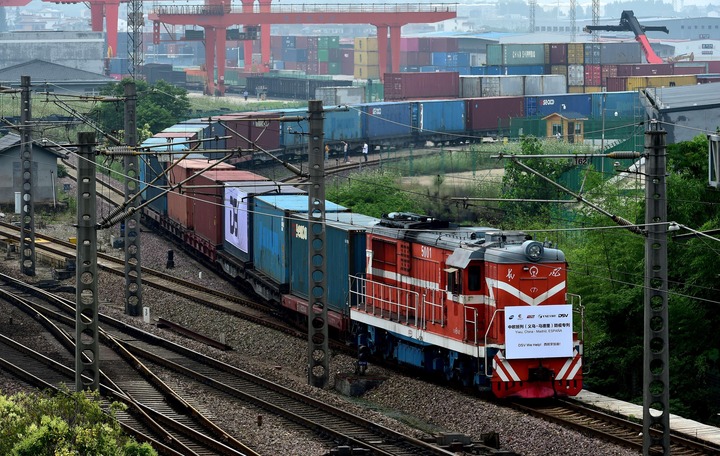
593, 89
576, 53
641, 82
576, 89
366, 58
366, 44
366, 72
558, 69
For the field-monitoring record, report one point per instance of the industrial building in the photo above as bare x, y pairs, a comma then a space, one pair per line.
44, 172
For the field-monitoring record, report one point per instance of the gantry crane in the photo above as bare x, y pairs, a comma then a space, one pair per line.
629, 23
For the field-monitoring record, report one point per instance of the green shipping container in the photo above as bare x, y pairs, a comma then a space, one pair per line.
523, 54
328, 42
334, 68
323, 55
494, 54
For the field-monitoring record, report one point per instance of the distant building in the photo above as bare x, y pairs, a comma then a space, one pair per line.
44, 169
82, 50
51, 77
685, 112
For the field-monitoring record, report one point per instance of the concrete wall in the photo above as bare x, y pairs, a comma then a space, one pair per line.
81, 50
11, 176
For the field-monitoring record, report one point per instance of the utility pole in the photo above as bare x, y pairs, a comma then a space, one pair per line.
133, 268
318, 356
87, 351
656, 358
27, 203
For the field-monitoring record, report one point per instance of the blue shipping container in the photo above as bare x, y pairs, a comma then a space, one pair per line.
342, 125
348, 236
543, 105
294, 134
440, 115
386, 120
523, 70
239, 200
271, 234
616, 104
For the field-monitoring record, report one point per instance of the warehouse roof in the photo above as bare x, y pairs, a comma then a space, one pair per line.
683, 98
11, 140
40, 70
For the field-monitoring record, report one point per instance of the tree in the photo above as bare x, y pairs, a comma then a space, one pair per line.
159, 106
373, 193
63, 423
520, 184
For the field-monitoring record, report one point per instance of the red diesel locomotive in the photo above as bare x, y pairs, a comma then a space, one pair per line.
481, 306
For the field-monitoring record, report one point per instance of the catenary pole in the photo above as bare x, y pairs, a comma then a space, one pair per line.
318, 356
27, 203
87, 351
133, 267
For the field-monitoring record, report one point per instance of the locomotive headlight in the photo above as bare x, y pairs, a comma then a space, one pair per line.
534, 250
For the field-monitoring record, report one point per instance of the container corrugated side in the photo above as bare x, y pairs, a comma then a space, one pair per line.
576, 75
382, 120
634, 83
617, 53
545, 84
495, 54
561, 103
576, 53
441, 115
492, 114
523, 54
616, 104
470, 86
339, 237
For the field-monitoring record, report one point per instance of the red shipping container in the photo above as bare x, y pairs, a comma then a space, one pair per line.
313, 67
301, 42
347, 62
424, 45
558, 54
690, 69
493, 113
424, 58
607, 71
713, 66
180, 207
650, 69
616, 84
207, 201
251, 130
409, 44
409, 86
593, 75
322, 67
312, 42
444, 44
276, 42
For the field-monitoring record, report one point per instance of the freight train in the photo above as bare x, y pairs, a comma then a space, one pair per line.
386, 125
478, 306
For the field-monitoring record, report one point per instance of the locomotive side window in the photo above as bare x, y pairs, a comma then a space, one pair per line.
474, 282
383, 253
454, 280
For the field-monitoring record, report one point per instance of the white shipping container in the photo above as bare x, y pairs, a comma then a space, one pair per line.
545, 84
335, 96
503, 86
470, 86
477, 59
576, 75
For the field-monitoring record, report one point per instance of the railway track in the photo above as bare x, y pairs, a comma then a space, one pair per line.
155, 413
129, 346
611, 428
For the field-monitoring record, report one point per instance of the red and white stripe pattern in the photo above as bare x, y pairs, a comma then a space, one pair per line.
571, 368
503, 369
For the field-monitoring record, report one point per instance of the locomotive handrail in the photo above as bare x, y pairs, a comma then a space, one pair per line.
487, 331
472, 323
383, 294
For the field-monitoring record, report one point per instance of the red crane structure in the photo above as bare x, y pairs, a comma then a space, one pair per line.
629, 23
99, 10
216, 16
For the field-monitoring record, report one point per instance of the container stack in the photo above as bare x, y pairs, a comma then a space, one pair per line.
366, 59
309, 54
